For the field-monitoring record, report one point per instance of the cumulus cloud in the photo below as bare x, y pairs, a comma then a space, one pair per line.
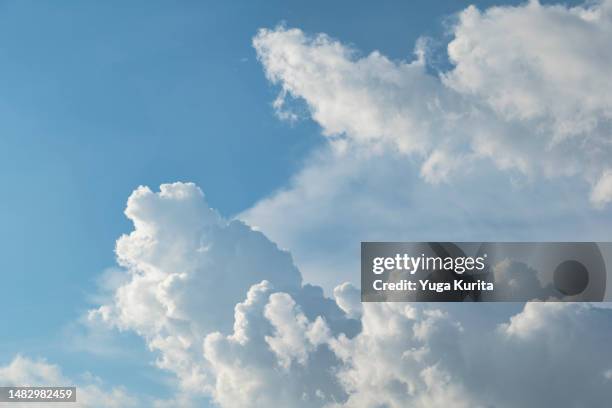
510, 147
294, 337
554, 69
180, 253
396, 360
421, 356
91, 393
401, 347
289, 345
462, 155
187, 268
272, 358
534, 101
562, 345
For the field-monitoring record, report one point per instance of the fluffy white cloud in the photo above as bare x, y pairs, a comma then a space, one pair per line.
546, 355
291, 346
396, 359
554, 68
552, 74
187, 268
370, 98
534, 101
491, 171
562, 345
294, 337
23, 371
417, 356
507, 100
273, 357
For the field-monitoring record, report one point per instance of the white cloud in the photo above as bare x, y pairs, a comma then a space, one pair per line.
563, 347
91, 393
549, 63
348, 298
602, 192
534, 101
556, 360
22, 370
187, 268
369, 98
272, 357
440, 164
296, 348
294, 337
491, 171
395, 360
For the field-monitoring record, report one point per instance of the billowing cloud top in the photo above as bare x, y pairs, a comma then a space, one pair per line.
289, 345
529, 90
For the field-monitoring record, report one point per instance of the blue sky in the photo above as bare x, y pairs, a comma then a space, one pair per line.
97, 98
